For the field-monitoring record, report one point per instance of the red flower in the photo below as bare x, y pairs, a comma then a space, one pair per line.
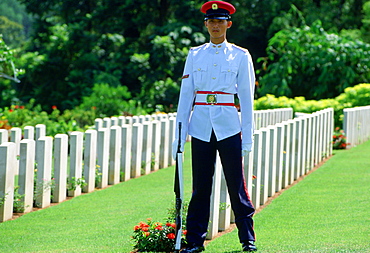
173, 225
54, 107
185, 232
16, 107
137, 228
254, 177
10, 110
146, 234
171, 236
22, 107
143, 224
159, 228
145, 229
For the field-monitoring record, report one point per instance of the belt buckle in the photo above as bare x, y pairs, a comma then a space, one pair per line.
211, 99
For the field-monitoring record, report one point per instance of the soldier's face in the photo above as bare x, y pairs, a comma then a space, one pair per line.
217, 27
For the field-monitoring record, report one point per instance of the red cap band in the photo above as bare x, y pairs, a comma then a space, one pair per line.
215, 5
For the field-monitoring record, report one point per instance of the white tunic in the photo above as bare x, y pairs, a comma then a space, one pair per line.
223, 67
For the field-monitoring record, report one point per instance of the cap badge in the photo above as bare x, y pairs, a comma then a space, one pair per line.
214, 6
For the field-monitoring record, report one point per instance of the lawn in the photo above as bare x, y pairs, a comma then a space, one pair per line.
328, 211
101, 221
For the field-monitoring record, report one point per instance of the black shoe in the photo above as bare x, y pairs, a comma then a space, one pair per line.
249, 246
193, 249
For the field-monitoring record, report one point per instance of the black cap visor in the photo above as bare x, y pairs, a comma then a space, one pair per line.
217, 14
213, 16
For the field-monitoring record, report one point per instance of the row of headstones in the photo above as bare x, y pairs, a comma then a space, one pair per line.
119, 147
281, 154
356, 125
118, 152
262, 118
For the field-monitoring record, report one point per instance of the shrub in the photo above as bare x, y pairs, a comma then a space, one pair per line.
108, 100
339, 139
31, 115
308, 61
153, 236
358, 95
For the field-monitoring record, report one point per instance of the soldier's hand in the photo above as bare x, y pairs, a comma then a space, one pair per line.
246, 148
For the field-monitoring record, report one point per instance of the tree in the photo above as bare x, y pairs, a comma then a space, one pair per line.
87, 42
12, 32
7, 68
142, 44
15, 23
8, 74
310, 62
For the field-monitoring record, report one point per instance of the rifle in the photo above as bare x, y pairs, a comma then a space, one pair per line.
179, 192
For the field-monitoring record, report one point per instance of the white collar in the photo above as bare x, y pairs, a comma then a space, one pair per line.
218, 46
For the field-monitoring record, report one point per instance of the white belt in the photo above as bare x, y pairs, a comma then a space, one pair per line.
214, 98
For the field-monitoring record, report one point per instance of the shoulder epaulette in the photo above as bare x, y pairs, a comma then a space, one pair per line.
197, 47
241, 48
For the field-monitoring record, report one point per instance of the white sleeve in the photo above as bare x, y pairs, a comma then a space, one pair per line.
246, 84
186, 99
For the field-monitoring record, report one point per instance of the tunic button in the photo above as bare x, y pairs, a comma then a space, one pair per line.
215, 64
213, 78
217, 52
228, 70
199, 69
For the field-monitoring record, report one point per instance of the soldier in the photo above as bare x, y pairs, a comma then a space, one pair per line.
213, 74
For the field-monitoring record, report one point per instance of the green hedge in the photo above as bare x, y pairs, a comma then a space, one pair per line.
358, 95
80, 118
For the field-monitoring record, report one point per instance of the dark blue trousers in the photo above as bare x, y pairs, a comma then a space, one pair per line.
203, 167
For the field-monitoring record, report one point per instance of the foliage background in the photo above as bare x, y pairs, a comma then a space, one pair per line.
309, 48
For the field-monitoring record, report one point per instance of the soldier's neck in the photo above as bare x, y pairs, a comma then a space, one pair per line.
218, 40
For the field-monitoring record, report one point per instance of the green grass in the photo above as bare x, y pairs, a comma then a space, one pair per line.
328, 211
101, 221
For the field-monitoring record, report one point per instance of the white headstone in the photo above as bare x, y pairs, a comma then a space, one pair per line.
90, 155
156, 144
60, 167
257, 152
4, 135
44, 154
165, 145
137, 149
7, 167
26, 173
215, 200
29, 132
114, 155
126, 151
75, 174
147, 146
103, 156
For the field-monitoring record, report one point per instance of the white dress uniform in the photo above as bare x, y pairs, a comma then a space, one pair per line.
217, 68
